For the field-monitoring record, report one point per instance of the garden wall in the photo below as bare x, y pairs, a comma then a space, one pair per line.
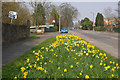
13, 33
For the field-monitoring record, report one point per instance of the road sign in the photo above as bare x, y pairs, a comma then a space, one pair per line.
13, 14
53, 21
47, 25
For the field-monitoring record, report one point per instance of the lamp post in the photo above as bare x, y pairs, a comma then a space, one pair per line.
59, 19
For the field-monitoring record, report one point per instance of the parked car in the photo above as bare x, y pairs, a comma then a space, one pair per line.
64, 30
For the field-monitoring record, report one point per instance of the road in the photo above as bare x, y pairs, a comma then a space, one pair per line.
104, 40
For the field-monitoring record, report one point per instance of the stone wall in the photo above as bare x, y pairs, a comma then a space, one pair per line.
13, 33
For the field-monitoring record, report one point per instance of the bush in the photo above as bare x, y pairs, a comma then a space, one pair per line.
99, 28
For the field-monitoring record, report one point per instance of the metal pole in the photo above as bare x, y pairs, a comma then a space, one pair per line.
11, 20
59, 19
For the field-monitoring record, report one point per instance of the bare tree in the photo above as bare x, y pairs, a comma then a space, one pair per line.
68, 13
108, 12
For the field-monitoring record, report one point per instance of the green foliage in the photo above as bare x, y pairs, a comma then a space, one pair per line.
86, 23
99, 28
99, 20
23, 13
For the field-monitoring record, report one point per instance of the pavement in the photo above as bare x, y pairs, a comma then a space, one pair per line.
106, 41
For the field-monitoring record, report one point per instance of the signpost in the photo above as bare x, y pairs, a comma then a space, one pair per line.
12, 15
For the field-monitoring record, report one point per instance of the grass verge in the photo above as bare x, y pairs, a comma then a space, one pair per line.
66, 56
13, 68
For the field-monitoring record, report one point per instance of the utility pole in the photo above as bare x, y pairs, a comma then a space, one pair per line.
59, 19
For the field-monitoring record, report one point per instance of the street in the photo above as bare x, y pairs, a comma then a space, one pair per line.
103, 40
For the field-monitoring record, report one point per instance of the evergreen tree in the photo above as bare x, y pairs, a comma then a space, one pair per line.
99, 20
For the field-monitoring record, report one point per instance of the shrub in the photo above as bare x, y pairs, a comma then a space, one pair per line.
99, 28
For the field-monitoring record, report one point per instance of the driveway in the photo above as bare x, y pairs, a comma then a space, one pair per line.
103, 40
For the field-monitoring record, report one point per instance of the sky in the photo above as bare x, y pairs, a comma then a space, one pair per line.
86, 9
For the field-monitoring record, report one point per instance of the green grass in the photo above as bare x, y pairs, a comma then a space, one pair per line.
63, 53
34, 37
13, 68
37, 33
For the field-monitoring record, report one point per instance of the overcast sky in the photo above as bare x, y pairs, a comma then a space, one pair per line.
86, 8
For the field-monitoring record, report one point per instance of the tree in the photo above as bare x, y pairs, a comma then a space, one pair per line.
23, 13
108, 13
86, 23
41, 14
34, 5
68, 13
54, 16
99, 20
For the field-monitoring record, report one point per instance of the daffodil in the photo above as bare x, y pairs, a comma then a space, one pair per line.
71, 66
37, 59
86, 77
45, 71
28, 60
80, 74
116, 64
112, 75
91, 66
110, 62
22, 69
15, 77
113, 62
40, 62
100, 63
58, 67
77, 62
65, 70
45, 63
112, 69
